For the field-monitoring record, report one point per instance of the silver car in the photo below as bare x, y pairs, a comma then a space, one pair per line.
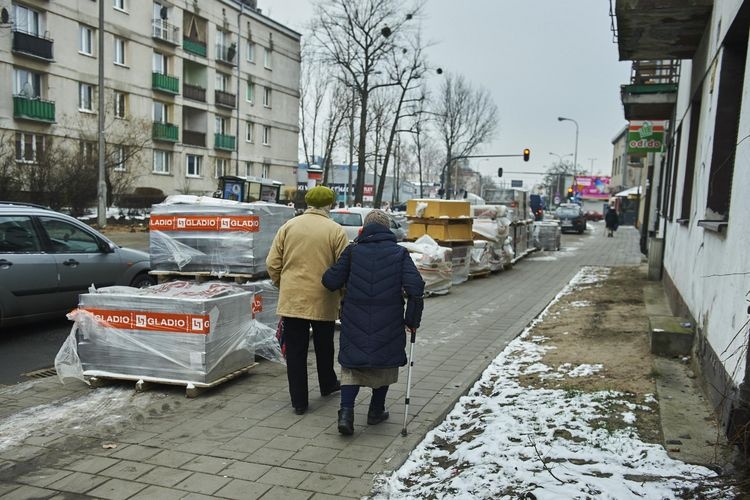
47, 259
352, 219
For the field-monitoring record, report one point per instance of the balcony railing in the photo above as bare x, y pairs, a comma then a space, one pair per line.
194, 92
166, 32
660, 72
225, 99
33, 109
193, 46
164, 132
165, 83
193, 138
226, 53
32, 44
223, 141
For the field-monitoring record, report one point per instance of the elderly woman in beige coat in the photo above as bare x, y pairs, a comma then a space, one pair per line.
302, 250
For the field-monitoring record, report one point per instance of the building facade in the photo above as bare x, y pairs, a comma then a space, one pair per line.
198, 89
698, 190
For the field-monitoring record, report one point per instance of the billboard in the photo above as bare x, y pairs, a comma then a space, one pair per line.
645, 136
593, 187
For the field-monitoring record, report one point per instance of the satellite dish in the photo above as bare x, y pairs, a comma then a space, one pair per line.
4, 16
163, 13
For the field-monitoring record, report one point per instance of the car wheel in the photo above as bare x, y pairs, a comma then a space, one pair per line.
143, 280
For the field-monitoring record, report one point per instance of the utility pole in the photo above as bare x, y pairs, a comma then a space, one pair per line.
102, 184
351, 147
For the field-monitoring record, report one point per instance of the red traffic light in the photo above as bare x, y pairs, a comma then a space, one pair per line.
526, 154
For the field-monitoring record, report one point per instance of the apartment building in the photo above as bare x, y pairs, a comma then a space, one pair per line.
205, 88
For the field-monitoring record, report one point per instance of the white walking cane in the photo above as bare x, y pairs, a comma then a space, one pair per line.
408, 378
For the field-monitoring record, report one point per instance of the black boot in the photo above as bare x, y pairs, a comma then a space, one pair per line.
346, 421
374, 416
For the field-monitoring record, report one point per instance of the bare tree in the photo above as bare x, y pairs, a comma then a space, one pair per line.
358, 35
314, 86
338, 112
465, 118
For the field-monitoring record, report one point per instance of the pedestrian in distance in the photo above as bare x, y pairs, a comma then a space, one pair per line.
303, 248
377, 273
611, 220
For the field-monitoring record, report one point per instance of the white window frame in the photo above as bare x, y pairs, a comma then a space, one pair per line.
164, 111
121, 104
193, 165
36, 140
221, 167
250, 92
85, 40
266, 135
121, 5
267, 57
266, 97
23, 77
265, 171
120, 157
85, 97
160, 63
120, 51
222, 81
165, 163
250, 132
31, 20
249, 169
250, 51
221, 124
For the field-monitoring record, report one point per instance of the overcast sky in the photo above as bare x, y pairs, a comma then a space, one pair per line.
539, 59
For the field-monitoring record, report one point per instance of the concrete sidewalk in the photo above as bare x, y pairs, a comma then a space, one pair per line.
242, 439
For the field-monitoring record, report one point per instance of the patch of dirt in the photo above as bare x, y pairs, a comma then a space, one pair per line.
589, 327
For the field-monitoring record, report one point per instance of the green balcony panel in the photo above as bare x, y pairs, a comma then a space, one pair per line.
165, 83
33, 109
194, 47
165, 132
222, 141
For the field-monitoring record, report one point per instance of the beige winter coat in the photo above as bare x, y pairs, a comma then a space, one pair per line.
302, 250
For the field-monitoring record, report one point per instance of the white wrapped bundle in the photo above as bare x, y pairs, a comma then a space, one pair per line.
434, 264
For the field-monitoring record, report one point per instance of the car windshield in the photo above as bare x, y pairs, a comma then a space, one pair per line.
568, 212
347, 219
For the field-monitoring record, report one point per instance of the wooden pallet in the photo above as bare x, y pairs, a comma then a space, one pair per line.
480, 274
145, 383
448, 243
203, 276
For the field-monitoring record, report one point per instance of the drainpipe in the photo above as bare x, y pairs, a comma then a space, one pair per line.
237, 104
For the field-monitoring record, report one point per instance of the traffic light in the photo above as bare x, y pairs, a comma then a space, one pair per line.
500, 172
526, 154
570, 192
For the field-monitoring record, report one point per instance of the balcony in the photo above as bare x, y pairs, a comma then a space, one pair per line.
33, 109
226, 53
225, 99
194, 92
193, 138
667, 29
223, 141
652, 92
164, 132
33, 45
163, 31
194, 46
165, 83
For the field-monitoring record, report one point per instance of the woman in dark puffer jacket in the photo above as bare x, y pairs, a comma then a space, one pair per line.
376, 272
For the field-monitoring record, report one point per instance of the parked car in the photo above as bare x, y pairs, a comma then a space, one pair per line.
571, 217
352, 220
47, 259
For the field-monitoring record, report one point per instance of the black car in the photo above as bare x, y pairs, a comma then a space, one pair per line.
571, 218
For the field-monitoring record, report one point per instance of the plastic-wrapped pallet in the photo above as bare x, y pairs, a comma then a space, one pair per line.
265, 300
494, 234
203, 234
177, 332
461, 259
480, 257
433, 263
547, 235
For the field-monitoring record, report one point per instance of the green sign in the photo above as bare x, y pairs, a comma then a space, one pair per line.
645, 136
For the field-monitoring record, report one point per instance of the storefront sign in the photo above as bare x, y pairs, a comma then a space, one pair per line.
645, 136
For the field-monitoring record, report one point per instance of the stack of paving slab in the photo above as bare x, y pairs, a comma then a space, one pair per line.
547, 235
193, 234
176, 332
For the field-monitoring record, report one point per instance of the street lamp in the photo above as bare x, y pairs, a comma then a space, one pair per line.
575, 154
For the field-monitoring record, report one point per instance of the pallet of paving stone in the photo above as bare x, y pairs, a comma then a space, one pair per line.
204, 276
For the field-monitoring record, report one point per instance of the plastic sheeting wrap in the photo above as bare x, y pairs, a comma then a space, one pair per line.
485, 211
461, 259
480, 257
265, 300
547, 235
493, 233
433, 263
180, 331
202, 234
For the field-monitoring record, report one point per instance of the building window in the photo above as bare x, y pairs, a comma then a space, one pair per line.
250, 132
85, 97
29, 147
27, 83
193, 168
161, 112
248, 169
267, 57
86, 40
159, 63
266, 135
26, 20
121, 104
162, 161
222, 81
250, 92
221, 167
265, 171
250, 51
120, 4
120, 51
86, 152
267, 97
120, 156
221, 124
687, 186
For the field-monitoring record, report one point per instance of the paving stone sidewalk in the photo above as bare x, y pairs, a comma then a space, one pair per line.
242, 439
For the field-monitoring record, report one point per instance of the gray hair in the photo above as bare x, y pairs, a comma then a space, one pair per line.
378, 217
